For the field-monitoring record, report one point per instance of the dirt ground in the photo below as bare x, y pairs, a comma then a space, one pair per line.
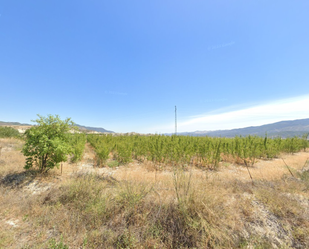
285, 164
15, 228
273, 169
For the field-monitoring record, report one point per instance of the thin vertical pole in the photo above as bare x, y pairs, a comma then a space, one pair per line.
175, 120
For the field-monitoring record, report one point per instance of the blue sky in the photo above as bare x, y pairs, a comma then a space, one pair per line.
124, 65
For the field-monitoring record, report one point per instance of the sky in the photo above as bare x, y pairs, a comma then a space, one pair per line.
125, 65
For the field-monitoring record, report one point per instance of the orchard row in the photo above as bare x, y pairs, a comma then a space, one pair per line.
188, 150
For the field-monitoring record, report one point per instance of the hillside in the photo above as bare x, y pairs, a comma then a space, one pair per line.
22, 127
283, 129
13, 123
98, 129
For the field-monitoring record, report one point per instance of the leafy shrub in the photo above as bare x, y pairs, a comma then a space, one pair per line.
47, 143
113, 164
8, 132
77, 142
102, 154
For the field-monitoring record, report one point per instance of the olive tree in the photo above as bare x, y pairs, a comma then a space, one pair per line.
47, 142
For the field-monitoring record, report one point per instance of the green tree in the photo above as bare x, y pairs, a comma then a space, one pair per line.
47, 143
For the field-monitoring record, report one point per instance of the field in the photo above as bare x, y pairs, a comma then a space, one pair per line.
159, 192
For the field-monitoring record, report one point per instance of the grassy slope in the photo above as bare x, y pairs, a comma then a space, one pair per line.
135, 206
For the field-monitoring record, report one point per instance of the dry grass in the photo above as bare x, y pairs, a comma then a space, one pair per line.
11, 158
137, 206
265, 169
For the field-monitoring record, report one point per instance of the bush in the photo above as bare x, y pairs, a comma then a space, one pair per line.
8, 132
77, 142
47, 144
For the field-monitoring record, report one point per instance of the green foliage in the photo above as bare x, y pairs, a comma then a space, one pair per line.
53, 244
8, 132
102, 153
198, 151
47, 143
304, 141
77, 142
113, 164
101, 149
124, 153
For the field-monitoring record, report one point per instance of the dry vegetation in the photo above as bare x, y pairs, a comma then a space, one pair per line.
137, 206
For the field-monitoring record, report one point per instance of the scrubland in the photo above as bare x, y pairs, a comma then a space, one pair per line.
140, 205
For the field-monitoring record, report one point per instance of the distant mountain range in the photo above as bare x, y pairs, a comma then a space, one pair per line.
13, 123
81, 127
283, 129
98, 129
